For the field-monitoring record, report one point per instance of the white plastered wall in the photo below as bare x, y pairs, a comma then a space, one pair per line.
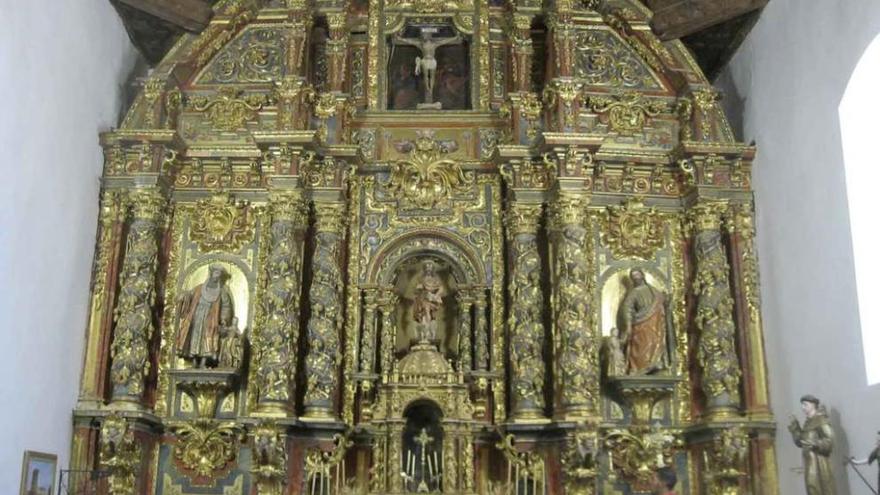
63, 64
790, 76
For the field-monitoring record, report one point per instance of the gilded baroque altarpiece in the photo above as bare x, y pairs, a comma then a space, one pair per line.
406, 246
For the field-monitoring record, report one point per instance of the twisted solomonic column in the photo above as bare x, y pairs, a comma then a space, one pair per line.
576, 341
137, 297
716, 352
527, 370
325, 296
276, 341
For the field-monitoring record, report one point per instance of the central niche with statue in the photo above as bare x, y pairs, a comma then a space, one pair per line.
425, 246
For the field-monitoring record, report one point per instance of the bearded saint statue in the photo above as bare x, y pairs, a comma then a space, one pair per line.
206, 316
643, 315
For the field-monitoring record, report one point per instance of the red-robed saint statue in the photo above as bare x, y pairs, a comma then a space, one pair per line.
643, 314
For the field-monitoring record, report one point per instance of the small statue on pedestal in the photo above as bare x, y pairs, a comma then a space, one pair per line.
816, 440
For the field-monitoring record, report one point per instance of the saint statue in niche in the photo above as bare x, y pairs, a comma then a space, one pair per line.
428, 303
428, 69
207, 326
645, 327
427, 313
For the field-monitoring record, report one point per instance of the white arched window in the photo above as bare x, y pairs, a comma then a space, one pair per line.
859, 110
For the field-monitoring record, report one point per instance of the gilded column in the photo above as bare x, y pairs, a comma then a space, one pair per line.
104, 277
395, 458
481, 331
325, 295
465, 344
135, 307
741, 229
388, 304
275, 343
368, 342
367, 364
716, 352
525, 321
576, 341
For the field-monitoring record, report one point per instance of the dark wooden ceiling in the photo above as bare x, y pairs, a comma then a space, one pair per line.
712, 29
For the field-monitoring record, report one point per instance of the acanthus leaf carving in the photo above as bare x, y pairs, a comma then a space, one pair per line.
221, 223
426, 179
633, 230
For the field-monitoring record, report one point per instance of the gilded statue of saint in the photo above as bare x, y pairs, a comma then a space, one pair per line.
206, 316
643, 316
816, 440
428, 302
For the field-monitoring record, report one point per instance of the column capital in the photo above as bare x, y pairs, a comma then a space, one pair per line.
523, 218
707, 215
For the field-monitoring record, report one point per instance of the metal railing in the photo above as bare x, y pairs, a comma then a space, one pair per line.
82, 482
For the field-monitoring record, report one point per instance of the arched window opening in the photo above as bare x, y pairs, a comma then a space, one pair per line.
858, 111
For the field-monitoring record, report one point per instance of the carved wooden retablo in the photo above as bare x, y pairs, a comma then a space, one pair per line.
436, 246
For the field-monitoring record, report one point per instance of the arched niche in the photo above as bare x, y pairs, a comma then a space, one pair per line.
422, 447
399, 266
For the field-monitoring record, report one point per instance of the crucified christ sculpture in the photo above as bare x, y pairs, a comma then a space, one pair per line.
427, 63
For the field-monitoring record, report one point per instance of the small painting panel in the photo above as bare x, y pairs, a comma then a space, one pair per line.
38, 473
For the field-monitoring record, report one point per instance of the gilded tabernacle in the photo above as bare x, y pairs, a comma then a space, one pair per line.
428, 246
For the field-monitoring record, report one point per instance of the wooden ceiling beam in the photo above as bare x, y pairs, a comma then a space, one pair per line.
190, 15
674, 19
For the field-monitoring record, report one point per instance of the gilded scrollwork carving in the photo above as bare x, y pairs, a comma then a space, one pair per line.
325, 296
269, 453
278, 332
627, 113
222, 223
580, 461
205, 446
716, 353
255, 56
426, 179
603, 60
230, 109
526, 321
134, 307
725, 461
633, 230
321, 463
120, 455
637, 452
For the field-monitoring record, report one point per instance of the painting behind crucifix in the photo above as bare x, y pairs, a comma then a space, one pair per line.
407, 82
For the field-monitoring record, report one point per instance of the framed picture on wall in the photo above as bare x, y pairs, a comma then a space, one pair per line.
38, 473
